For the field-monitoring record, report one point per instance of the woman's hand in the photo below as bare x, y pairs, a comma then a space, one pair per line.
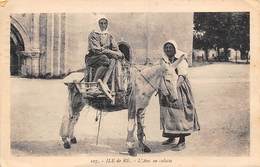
178, 61
180, 80
104, 51
114, 54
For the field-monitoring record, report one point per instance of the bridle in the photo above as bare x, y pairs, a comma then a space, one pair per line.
157, 90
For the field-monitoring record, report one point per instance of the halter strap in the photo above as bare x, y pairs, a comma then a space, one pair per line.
146, 79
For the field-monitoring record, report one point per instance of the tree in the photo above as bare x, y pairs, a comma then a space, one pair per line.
221, 30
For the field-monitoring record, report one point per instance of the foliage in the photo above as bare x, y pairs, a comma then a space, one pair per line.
221, 30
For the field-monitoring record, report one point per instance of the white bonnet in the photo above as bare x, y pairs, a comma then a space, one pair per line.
178, 52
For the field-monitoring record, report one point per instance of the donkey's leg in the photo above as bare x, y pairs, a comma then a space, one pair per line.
140, 130
74, 105
130, 140
66, 120
67, 129
73, 121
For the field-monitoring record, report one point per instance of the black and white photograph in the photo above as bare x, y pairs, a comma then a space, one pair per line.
139, 83
141, 87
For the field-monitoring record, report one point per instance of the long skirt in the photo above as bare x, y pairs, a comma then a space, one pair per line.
102, 61
179, 117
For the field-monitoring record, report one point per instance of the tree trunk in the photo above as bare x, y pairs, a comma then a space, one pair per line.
218, 57
225, 54
207, 54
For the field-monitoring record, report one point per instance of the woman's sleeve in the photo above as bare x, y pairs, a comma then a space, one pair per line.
93, 43
183, 68
114, 45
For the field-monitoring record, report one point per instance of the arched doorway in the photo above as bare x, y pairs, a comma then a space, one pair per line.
16, 46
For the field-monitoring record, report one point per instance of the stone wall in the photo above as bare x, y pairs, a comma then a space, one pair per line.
57, 42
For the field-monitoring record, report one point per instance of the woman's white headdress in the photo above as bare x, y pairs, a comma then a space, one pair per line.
99, 17
179, 53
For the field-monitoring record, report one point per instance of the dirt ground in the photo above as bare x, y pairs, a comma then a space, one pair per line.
221, 92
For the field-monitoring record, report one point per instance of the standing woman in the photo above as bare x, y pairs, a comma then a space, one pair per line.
178, 117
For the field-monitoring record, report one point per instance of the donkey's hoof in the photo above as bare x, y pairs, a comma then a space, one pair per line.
132, 152
145, 148
73, 140
66, 145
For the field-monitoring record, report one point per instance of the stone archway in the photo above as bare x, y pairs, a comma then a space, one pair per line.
24, 54
16, 46
20, 45
24, 35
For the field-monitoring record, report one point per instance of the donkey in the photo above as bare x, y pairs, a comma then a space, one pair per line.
149, 80
143, 85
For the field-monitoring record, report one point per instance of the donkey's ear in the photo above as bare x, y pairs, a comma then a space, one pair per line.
163, 64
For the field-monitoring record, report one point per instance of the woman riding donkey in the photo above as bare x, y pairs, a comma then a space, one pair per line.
103, 56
